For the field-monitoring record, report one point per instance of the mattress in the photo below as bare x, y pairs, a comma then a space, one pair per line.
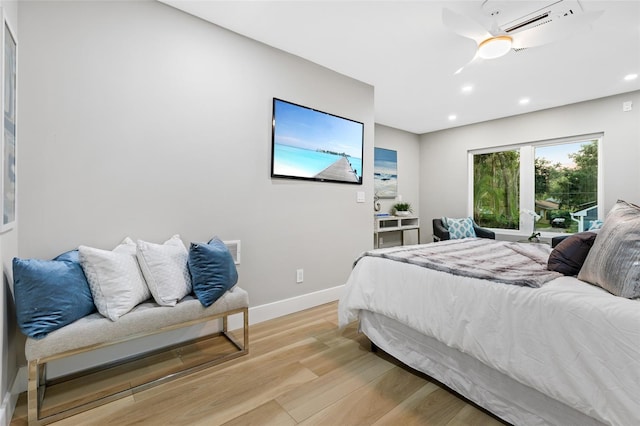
500, 394
570, 341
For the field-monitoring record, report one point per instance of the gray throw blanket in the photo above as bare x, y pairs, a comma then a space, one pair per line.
499, 261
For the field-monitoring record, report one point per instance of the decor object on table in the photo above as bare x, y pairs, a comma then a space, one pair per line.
402, 209
535, 237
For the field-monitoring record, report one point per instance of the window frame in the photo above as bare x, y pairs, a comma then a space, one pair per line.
527, 179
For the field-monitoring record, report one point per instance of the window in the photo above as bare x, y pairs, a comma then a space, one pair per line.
496, 189
547, 187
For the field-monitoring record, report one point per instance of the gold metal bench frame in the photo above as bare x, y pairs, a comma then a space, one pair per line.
37, 381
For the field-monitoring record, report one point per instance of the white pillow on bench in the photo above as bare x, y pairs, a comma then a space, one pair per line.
165, 270
115, 279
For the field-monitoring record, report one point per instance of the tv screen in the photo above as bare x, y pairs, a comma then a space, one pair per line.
314, 145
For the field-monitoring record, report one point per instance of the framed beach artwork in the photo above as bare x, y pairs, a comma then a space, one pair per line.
385, 173
9, 87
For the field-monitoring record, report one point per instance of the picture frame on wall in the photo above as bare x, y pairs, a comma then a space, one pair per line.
385, 173
9, 89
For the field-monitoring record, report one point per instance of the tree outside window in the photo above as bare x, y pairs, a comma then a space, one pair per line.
496, 189
558, 183
566, 179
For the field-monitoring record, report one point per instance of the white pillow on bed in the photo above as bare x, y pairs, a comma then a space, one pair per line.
114, 277
165, 269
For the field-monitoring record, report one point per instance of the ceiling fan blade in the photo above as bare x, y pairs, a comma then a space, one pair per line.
476, 58
464, 26
555, 30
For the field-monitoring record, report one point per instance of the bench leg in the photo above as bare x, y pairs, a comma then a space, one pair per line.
244, 347
245, 313
35, 390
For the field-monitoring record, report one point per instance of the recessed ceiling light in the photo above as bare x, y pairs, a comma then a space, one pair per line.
630, 77
452, 117
467, 89
524, 101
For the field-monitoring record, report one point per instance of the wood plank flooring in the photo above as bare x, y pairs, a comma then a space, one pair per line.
301, 370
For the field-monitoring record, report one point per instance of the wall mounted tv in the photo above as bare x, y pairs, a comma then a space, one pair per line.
314, 145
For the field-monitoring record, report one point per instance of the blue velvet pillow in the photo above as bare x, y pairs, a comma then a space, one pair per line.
50, 294
212, 269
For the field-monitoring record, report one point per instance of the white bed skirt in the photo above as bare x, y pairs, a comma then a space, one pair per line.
501, 395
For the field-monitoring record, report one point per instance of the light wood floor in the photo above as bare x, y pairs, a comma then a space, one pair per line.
301, 369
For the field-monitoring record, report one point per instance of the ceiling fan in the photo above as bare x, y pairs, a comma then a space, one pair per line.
537, 28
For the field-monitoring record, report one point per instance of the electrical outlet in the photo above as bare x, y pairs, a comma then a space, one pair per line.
299, 275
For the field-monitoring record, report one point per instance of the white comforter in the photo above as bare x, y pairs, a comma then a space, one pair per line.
569, 340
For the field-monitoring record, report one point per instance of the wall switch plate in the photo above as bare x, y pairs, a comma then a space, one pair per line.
360, 197
299, 275
627, 106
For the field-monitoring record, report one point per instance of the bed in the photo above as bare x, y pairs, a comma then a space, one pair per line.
557, 352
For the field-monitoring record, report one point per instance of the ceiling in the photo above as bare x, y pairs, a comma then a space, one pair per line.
404, 50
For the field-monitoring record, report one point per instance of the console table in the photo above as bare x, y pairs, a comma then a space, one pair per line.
394, 224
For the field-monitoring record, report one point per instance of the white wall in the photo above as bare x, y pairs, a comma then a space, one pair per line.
139, 120
407, 146
443, 154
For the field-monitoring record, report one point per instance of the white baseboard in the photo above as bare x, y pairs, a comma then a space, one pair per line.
262, 313
257, 314
11, 398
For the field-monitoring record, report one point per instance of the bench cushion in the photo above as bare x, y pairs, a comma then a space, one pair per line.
143, 319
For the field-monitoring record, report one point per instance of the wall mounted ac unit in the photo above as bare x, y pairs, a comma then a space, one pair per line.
515, 16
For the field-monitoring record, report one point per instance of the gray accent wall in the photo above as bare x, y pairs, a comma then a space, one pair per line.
444, 188
140, 120
136, 119
407, 145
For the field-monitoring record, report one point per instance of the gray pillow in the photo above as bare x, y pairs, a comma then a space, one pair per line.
613, 262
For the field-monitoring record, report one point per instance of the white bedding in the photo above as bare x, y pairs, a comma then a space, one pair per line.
569, 340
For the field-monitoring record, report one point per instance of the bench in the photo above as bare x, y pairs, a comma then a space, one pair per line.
95, 331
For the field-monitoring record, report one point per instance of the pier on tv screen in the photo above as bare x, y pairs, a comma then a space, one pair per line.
315, 145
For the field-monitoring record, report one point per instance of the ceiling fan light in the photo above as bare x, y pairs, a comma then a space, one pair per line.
494, 47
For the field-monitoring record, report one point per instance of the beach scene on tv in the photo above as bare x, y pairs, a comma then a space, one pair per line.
315, 145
